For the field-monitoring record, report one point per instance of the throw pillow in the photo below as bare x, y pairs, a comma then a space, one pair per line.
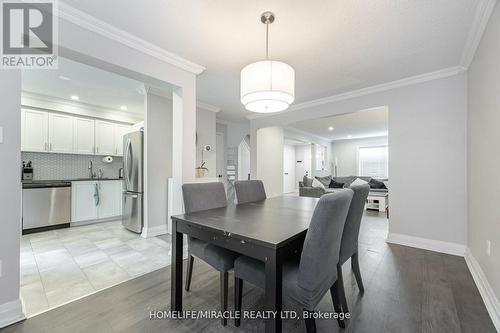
376, 184
358, 181
334, 184
308, 182
386, 184
325, 180
317, 183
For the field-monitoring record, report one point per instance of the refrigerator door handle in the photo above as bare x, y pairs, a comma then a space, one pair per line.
127, 166
135, 196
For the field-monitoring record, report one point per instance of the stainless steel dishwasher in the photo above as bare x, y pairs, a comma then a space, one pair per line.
46, 206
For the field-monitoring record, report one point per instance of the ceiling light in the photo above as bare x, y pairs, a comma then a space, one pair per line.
267, 85
65, 78
349, 136
330, 128
75, 98
123, 108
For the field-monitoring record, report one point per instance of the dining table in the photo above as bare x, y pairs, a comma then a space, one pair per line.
270, 230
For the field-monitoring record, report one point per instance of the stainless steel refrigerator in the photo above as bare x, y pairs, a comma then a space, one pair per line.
133, 182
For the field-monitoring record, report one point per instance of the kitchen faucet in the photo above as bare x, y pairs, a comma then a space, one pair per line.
91, 173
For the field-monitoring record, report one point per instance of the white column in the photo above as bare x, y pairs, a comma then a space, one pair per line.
270, 145
158, 145
10, 196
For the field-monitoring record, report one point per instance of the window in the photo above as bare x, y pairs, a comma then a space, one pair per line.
373, 162
320, 157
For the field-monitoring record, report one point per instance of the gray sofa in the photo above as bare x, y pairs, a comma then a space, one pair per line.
306, 189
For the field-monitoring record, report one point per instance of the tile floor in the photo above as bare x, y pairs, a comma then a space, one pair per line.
62, 265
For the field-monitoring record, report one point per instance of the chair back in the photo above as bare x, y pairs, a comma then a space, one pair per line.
249, 191
322, 244
350, 235
203, 196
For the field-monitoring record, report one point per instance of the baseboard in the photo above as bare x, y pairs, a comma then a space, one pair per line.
427, 244
11, 313
154, 231
489, 298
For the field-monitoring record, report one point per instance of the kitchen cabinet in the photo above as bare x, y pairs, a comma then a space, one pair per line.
110, 203
83, 142
60, 133
120, 131
53, 132
105, 138
95, 200
83, 201
34, 130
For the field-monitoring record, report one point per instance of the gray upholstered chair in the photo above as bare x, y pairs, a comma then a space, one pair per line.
205, 196
349, 246
249, 191
308, 279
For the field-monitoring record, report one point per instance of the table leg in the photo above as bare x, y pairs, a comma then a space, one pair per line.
176, 269
273, 293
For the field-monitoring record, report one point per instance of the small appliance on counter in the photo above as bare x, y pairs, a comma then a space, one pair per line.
27, 173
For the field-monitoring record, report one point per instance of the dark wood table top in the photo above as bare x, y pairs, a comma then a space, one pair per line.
269, 222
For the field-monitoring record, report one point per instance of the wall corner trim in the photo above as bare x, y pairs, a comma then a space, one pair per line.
427, 244
489, 298
11, 313
107, 30
154, 231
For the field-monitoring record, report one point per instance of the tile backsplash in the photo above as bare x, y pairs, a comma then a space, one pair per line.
69, 166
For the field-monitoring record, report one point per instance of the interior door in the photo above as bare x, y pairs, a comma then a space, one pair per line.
288, 168
84, 136
34, 134
60, 133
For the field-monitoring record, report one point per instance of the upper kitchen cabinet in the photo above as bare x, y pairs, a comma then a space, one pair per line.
60, 133
84, 136
34, 134
105, 138
109, 137
120, 131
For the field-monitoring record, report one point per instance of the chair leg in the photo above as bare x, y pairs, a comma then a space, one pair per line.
357, 272
341, 290
223, 295
189, 272
310, 322
238, 294
336, 303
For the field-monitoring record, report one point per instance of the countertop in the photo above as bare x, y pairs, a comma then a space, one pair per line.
59, 182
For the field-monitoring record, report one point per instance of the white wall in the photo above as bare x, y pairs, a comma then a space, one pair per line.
205, 131
484, 154
270, 142
427, 141
345, 152
158, 140
10, 196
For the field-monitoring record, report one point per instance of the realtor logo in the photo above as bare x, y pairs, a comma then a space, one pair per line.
29, 31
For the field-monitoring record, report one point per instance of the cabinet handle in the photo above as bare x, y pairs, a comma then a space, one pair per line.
50, 146
45, 146
97, 149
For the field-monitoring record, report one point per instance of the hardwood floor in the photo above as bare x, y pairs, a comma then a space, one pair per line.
406, 290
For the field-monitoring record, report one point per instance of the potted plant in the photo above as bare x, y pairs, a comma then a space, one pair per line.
201, 170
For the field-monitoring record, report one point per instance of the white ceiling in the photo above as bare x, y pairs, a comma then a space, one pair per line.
362, 124
92, 85
335, 46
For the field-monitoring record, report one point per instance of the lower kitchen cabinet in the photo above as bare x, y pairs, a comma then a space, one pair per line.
96, 199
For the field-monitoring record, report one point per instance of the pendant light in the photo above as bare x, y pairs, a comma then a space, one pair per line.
268, 85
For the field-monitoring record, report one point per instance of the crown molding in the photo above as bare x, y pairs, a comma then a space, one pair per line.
481, 19
168, 95
440, 74
102, 28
